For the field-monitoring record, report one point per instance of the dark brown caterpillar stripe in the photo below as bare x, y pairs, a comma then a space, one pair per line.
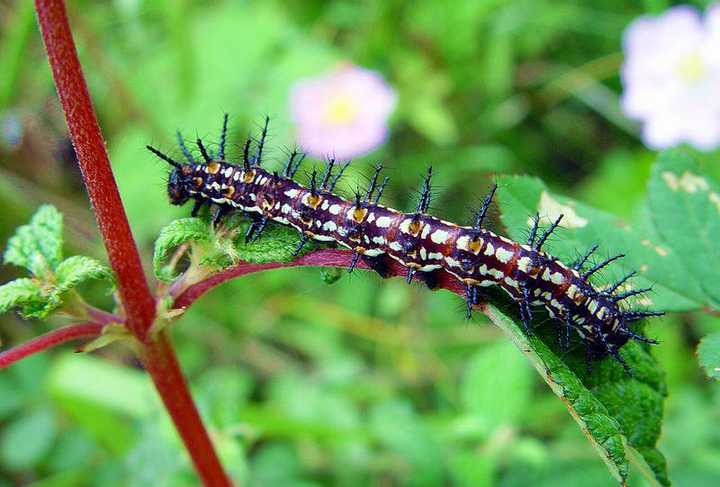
423, 244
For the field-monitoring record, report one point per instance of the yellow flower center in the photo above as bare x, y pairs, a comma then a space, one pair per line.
341, 109
691, 67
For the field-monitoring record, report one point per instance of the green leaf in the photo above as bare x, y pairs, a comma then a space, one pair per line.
277, 244
177, 233
77, 269
37, 246
620, 415
709, 354
21, 293
685, 208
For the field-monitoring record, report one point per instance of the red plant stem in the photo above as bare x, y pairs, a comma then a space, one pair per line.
162, 365
156, 353
319, 258
95, 166
49, 340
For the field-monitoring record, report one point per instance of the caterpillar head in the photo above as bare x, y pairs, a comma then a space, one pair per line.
179, 180
179, 183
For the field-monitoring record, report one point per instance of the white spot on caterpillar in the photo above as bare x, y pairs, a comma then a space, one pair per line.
552, 209
366, 239
489, 250
557, 278
277, 205
425, 231
335, 209
325, 205
555, 303
252, 197
218, 200
524, 264
342, 232
439, 236
228, 171
404, 225
462, 242
503, 255
592, 306
236, 176
292, 193
546, 274
547, 295
281, 219
486, 283
379, 240
286, 208
496, 273
318, 223
429, 267
371, 218
423, 253
322, 238
537, 291
395, 246
511, 282
571, 291
435, 255
452, 262
383, 222
330, 226
601, 313
373, 252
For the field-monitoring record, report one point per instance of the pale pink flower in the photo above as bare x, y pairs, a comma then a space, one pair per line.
671, 77
342, 114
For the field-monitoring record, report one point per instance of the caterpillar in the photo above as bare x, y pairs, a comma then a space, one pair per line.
422, 243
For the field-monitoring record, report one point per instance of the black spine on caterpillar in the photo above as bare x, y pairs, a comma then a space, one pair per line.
422, 243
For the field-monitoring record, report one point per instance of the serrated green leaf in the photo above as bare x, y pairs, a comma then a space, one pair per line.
177, 233
709, 354
77, 269
277, 244
37, 246
618, 413
685, 207
21, 293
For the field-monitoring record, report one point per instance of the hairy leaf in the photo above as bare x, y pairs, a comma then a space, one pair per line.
77, 269
177, 233
23, 293
37, 246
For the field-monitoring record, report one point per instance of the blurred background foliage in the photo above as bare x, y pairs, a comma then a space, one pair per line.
361, 381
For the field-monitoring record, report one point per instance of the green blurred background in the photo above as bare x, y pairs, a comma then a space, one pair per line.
362, 381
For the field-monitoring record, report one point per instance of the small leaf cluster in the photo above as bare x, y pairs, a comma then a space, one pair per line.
218, 248
37, 247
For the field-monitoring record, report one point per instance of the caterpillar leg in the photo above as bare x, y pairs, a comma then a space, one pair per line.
220, 213
525, 310
431, 279
472, 297
379, 264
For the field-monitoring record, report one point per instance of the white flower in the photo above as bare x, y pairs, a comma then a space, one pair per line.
342, 114
671, 77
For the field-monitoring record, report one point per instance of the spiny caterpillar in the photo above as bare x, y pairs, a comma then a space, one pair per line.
422, 243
